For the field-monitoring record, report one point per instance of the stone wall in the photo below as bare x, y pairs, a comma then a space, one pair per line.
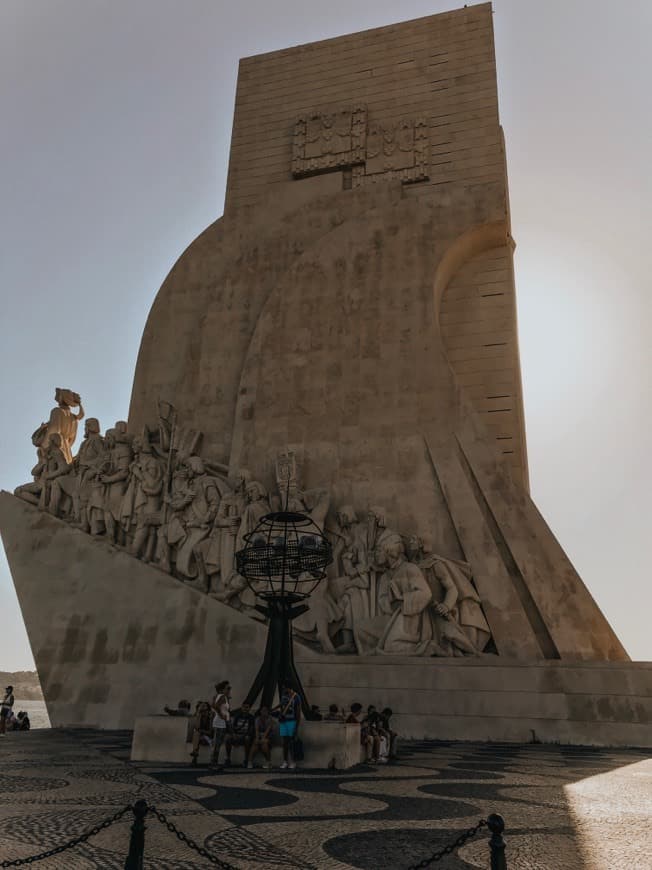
115, 639
604, 704
441, 67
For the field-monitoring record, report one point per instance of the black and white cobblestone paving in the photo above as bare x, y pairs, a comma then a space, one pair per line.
565, 808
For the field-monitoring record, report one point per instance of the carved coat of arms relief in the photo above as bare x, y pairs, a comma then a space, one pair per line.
374, 151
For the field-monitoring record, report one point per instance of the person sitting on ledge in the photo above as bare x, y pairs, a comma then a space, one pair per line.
241, 733
263, 732
182, 709
202, 729
22, 722
366, 739
334, 714
374, 727
315, 713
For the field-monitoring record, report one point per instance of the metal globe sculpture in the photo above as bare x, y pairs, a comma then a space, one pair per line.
286, 555
283, 560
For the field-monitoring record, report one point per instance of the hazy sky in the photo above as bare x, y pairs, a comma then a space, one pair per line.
114, 133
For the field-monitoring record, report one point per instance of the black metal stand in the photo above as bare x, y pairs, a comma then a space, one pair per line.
278, 665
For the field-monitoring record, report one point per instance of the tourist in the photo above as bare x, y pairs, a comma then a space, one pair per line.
334, 714
221, 719
6, 708
392, 736
182, 709
202, 729
289, 714
366, 740
315, 713
19, 722
241, 732
263, 733
372, 723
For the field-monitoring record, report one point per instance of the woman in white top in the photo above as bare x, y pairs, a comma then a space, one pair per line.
221, 719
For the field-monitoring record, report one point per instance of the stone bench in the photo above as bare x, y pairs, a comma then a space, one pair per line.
326, 745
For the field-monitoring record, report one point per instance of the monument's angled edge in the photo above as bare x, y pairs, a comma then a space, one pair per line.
344, 336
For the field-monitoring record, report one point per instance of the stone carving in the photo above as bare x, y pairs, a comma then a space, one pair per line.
156, 497
315, 503
238, 517
352, 586
141, 506
324, 141
62, 420
115, 477
193, 501
407, 596
51, 465
31, 492
66, 488
56, 465
329, 140
400, 152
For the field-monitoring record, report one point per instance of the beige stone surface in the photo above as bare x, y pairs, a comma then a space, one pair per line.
118, 639
161, 738
113, 638
355, 306
373, 327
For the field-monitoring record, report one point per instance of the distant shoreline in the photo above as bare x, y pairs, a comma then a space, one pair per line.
27, 686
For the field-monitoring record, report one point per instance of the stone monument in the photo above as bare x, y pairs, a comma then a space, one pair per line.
343, 340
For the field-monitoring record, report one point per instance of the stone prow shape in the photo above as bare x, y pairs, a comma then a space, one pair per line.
112, 637
115, 639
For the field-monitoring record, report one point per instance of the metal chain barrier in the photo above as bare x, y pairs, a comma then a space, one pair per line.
447, 850
190, 843
70, 844
140, 810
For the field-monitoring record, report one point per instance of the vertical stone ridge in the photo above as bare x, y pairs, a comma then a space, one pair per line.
543, 636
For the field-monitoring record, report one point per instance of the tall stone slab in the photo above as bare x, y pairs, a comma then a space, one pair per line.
357, 303
350, 323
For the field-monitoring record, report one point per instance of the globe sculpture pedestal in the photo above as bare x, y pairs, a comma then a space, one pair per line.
283, 560
278, 664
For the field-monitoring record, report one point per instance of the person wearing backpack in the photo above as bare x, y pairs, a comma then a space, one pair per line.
289, 716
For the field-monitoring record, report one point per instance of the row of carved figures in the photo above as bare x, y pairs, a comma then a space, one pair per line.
155, 496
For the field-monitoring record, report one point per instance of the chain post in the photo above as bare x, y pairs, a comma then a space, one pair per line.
134, 860
496, 825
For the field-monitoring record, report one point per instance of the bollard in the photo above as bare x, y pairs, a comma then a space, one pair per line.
496, 825
134, 859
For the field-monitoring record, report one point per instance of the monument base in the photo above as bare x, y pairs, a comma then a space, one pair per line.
327, 745
105, 628
493, 699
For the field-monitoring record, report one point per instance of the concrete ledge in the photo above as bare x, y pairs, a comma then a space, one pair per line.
327, 745
161, 738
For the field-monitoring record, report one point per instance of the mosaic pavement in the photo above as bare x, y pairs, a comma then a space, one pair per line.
564, 807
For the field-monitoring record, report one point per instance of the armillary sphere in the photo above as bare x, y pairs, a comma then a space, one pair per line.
283, 560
